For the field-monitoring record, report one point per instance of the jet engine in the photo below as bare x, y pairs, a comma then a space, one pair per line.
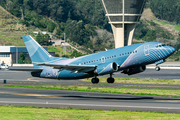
106, 68
135, 70
36, 74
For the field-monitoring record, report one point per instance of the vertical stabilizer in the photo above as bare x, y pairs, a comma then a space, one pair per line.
36, 52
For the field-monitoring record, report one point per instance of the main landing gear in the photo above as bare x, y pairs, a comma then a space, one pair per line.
109, 80
95, 80
157, 68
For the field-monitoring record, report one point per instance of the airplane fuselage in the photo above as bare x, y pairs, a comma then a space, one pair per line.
125, 58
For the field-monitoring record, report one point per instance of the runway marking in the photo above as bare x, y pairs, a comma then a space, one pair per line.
92, 105
29, 79
40, 95
168, 101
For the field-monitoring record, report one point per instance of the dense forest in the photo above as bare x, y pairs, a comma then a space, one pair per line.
79, 19
166, 9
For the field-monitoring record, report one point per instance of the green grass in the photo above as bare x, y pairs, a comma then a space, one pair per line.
54, 49
33, 113
177, 28
57, 49
162, 22
142, 81
151, 92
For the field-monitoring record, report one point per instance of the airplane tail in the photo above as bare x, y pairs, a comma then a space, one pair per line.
36, 52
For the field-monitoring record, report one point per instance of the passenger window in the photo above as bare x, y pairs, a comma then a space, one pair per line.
160, 45
114, 55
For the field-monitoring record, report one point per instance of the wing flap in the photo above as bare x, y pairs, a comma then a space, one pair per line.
73, 68
26, 69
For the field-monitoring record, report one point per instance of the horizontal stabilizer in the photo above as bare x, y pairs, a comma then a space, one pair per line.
26, 69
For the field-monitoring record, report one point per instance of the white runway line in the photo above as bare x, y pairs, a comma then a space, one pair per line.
91, 105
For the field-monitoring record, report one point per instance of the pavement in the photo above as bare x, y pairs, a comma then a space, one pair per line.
63, 99
86, 100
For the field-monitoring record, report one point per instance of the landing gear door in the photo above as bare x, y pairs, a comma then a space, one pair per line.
146, 50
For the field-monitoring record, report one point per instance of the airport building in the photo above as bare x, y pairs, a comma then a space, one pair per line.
123, 15
11, 54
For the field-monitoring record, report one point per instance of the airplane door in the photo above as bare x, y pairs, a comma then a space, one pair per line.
146, 50
103, 59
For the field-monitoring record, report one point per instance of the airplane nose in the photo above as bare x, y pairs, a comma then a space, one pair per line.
172, 49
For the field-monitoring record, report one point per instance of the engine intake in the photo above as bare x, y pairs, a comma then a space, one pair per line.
106, 68
135, 70
36, 74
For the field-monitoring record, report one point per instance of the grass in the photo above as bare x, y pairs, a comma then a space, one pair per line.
142, 81
162, 22
157, 92
176, 27
34, 113
57, 49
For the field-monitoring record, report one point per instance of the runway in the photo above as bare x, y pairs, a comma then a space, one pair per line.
149, 73
51, 98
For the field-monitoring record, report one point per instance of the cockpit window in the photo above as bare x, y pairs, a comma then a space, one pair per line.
163, 44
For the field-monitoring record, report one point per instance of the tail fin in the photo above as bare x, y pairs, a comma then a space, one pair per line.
36, 52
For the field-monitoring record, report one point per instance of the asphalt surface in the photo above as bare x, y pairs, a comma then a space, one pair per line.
64, 99
50, 98
149, 73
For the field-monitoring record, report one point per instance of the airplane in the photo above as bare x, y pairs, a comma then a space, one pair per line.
129, 60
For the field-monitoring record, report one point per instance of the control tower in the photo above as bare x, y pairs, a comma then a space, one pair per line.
123, 16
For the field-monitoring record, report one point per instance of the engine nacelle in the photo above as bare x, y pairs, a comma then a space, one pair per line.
36, 74
135, 70
106, 68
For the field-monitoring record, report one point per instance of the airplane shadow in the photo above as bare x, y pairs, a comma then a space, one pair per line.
119, 98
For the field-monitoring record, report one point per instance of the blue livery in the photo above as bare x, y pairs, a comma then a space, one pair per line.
129, 60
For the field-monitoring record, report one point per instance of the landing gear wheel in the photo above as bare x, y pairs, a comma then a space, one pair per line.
110, 80
95, 80
157, 68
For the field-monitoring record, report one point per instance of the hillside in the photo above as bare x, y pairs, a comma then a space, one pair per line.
161, 31
10, 29
84, 23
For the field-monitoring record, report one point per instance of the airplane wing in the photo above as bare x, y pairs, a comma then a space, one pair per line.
73, 68
26, 69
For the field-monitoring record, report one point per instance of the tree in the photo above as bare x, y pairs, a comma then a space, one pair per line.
22, 58
51, 26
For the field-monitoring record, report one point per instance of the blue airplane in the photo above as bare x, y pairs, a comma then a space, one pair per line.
129, 60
